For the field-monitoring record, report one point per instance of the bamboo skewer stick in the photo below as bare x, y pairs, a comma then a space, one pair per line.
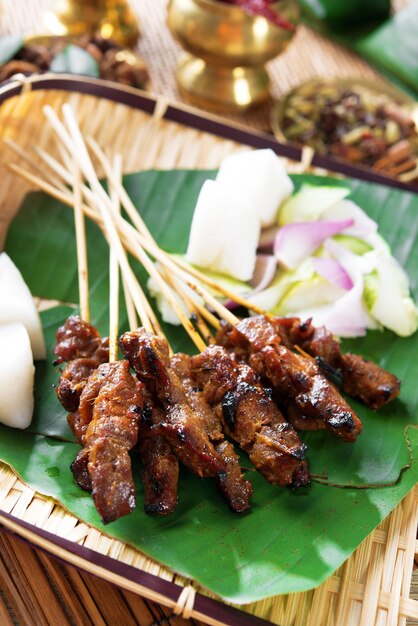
114, 279
130, 307
80, 233
25, 157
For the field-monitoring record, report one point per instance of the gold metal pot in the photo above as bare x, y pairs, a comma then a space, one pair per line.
227, 49
113, 19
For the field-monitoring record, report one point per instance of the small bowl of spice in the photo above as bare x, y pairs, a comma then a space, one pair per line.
369, 124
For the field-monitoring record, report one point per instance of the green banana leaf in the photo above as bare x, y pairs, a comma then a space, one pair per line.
338, 15
391, 45
290, 540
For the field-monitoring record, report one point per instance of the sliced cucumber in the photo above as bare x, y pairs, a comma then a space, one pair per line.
353, 244
388, 299
309, 203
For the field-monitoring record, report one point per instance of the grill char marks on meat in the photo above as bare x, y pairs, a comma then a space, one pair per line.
249, 416
312, 402
182, 427
79, 344
236, 489
114, 401
160, 465
360, 378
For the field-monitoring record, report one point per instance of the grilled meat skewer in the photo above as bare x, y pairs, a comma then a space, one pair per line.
312, 402
182, 427
110, 407
249, 416
360, 378
236, 489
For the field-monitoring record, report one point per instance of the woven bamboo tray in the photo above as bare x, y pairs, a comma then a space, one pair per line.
373, 586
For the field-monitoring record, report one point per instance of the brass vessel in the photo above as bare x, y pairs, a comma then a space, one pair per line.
113, 19
227, 49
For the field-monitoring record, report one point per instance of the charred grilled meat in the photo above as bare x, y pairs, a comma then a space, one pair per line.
311, 401
182, 427
79, 344
110, 407
249, 416
160, 464
236, 489
359, 377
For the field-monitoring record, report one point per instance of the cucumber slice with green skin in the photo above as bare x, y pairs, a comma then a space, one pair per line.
309, 203
353, 244
308, 294
386, 294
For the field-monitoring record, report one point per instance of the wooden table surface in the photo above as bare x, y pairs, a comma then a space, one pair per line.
36, 589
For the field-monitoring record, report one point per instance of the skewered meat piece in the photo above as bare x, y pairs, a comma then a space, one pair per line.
182, 428
77, 339
114, 400
360, 378
160, 464
79, 420
236, 489
249, 415
311, 400
80, 344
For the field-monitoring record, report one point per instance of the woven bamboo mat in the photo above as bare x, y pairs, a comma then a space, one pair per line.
309, 55
373, 586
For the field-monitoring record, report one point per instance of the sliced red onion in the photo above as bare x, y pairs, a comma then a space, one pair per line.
267, 237
295, 242
333, 272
